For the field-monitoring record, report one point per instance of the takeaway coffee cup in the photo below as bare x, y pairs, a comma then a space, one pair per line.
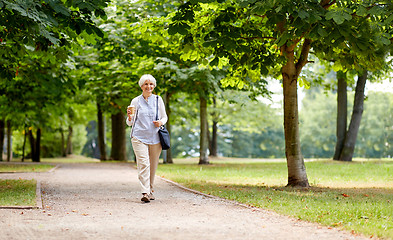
131, 109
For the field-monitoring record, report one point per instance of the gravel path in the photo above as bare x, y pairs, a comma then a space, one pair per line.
102, 201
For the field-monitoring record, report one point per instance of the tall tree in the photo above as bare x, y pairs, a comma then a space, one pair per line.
252, 37
101, 132
203, 137
341, 124
353, 129
36, 37
213, 137
118, 137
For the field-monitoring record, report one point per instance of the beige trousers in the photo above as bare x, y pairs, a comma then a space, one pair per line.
147, 161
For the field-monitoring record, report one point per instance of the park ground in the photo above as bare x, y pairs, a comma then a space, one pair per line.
102, 201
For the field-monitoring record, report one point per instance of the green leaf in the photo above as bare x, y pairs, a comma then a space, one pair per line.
282, 39
304, 83
338, 16
385, 41
361, 11
322, 32
214, 62
376, 11
49, 36
303, 14
172, 29
388, 21
339, 19
264, 71
347, 16
329, 15
337, 67
244, 4
59, 7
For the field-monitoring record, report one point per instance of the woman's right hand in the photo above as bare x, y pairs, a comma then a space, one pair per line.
130, 112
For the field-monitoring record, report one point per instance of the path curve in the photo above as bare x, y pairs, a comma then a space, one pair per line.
102, 201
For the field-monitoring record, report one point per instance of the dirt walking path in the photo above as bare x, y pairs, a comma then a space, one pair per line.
102, 201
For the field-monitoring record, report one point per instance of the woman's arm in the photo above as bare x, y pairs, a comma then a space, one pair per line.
130, 119
161, 110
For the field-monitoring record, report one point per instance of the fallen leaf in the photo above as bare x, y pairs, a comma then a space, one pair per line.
345, 195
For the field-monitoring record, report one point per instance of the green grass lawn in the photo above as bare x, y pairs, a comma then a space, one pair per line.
12, 167
356, 196
23, 192
17, 192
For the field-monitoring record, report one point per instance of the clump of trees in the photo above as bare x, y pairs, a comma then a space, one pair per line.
68, 62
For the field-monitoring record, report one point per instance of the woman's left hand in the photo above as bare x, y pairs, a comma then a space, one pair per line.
157, 123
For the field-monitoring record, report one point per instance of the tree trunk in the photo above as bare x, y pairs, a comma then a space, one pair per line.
213, 139
24, 144
118, 137
37, 158
341, 125
213, 144
169, 158
69, 141
63, 151
353, 129
203, 141
32, 144
35, 144
2, 131
9, 142
101, 133
296, 169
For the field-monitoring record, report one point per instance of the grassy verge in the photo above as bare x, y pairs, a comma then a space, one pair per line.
25, 167
17, 192
68, 159
71, 159
355, 196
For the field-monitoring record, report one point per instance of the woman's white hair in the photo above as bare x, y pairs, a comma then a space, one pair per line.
147, 77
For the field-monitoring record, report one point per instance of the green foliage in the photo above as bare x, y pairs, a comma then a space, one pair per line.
318, 135
37, 39
240, 132
375, 133
318, 126
247, 36
41, 25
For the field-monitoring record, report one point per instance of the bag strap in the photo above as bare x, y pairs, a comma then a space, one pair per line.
157, 109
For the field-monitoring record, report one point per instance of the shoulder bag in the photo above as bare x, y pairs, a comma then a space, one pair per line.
163, 134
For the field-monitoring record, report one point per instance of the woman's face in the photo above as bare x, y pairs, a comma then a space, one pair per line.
148, 87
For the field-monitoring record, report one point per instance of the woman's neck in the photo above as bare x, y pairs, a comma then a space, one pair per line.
146, 95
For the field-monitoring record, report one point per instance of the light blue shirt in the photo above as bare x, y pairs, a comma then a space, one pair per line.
143, 127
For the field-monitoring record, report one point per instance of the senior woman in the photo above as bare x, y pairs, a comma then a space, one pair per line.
145, 141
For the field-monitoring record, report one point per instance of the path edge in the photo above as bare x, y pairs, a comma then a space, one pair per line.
214, 197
